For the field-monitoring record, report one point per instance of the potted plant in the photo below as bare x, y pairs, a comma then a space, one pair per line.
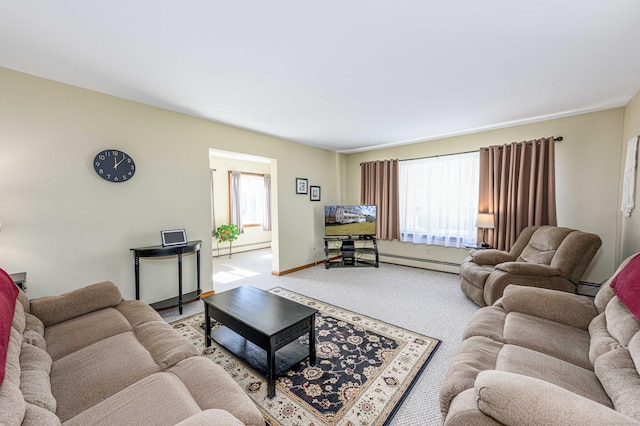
228, 232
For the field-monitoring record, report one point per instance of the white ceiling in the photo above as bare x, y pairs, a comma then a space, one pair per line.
345, 75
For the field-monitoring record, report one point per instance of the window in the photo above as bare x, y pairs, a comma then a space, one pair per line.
439, 199
252, 199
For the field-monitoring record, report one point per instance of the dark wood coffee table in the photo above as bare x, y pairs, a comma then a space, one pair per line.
255, 321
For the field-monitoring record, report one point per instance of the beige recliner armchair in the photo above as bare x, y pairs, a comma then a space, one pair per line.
543, 256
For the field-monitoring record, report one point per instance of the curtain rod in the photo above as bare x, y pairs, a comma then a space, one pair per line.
555, 139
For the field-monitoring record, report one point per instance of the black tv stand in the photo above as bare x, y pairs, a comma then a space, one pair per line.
343, 251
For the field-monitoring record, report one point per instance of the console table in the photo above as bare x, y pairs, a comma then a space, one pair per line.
345, 251
161, 251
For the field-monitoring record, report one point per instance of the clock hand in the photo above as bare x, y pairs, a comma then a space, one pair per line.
118, 163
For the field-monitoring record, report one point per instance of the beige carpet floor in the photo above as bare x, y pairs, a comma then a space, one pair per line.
424, 301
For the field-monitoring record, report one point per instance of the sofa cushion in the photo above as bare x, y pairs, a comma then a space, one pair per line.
159, 399
543, 244
601, 341
619, 377
164, 344
566, 308
35, 382
38, 416
85, 377
558, 340
8, 295
198, 373
488, 322
621, 324
519, 400
72, 335
515, 359
525, 268
627, 286
474, 355
12, 404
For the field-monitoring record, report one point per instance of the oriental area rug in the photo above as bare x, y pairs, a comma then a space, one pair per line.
363, 371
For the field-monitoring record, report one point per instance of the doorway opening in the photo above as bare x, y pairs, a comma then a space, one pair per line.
241, 193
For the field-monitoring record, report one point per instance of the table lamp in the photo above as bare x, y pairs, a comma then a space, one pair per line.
484, 221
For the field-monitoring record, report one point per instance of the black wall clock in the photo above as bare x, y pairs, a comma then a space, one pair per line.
114, 165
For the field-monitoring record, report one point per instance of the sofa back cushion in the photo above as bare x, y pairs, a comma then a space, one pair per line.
8, 295
543, 245
52, 310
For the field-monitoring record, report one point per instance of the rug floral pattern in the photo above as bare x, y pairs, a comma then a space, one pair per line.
363, 369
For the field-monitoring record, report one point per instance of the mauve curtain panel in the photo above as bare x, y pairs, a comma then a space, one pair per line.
517, 185
379, 187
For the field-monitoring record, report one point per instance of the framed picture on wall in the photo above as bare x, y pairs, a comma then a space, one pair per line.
302, 186
315, 193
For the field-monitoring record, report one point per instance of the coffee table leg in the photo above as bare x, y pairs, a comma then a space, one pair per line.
207, 326
271, 370
312, 341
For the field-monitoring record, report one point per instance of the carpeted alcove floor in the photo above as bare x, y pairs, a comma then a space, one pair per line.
427, 302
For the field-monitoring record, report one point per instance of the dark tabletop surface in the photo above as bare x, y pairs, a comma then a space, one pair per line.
259, 309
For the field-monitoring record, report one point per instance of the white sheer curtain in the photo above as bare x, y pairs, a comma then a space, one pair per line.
234, 199
439, 200
266, 216
211, 190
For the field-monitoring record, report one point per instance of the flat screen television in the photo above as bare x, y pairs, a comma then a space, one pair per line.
345, 221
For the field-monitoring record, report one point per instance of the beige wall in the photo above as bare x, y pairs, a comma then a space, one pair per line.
587, 170
630, 226
66, 227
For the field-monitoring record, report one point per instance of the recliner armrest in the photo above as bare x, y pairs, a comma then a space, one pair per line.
525, 268
559, 306
490, 257
516, 399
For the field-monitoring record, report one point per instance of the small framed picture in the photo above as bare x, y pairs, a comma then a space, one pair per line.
315, 193
302, 186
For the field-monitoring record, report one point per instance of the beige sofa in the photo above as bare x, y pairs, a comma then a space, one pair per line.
543, 256
89, 357
545, 357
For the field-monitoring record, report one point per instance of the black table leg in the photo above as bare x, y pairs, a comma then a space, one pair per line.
137, 271
198, 272
312, 341
207, 326
180, 283
271, 369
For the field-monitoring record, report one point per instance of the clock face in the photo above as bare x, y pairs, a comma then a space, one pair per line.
114, 165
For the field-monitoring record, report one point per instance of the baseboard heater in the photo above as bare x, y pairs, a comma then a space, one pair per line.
226, 246
588, 286
416, 259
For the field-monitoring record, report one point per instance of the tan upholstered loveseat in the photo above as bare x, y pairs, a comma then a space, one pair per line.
542, 256
88, 357
543, 357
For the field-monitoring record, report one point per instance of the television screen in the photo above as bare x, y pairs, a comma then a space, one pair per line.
349, 220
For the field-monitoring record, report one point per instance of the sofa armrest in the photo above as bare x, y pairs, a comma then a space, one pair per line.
52, 310
210, 417
525, 268
490, 257
559, 306
515, 399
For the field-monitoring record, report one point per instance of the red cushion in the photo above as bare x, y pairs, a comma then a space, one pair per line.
627, 286
8, 295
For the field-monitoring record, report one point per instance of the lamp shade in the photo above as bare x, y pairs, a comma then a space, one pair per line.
485, 220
